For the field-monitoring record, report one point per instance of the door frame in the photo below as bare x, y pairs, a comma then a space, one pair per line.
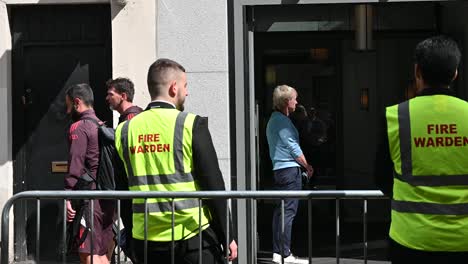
18, 127
243, 109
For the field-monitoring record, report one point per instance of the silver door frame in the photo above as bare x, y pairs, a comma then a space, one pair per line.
245, 127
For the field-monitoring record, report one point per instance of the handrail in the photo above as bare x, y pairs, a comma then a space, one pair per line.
329, 194
322, 194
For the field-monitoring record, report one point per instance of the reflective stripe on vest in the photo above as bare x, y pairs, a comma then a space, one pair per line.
172, 175
406, 160
157, 207
429, 211
407, 176
177, 177
430, 208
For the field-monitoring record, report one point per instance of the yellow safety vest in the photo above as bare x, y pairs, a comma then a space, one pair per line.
428, 140
156, 147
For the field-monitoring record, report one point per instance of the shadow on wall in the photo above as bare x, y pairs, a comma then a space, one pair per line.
5, 92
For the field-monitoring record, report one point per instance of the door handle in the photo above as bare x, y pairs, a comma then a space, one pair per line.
27, 97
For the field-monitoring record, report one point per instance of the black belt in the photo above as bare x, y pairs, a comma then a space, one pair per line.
209, 239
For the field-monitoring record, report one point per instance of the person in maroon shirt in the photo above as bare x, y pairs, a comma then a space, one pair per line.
84, 158
119, 97
120, 92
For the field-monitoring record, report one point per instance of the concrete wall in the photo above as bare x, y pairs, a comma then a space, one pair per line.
134, 45
172, 29
195, 35
6, 166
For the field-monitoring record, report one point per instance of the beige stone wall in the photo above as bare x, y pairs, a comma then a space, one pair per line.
6, 166
134, 44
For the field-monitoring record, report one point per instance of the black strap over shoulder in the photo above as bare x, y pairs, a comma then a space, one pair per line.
93, 120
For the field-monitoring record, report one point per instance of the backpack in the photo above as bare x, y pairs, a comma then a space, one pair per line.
107, 157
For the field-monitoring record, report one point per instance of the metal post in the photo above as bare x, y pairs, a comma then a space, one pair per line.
38, 231
172, 234
254, 233
282, 231
364, 220
200, 241
91, 231
118, 231
309, 217
64, 232
145, 258
337, 204
226, 252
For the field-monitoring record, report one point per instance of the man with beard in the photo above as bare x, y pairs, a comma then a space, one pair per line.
83, 164
120, 92
119, 97
165, 149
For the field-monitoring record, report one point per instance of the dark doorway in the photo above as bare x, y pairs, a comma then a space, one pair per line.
310, 63
53, 48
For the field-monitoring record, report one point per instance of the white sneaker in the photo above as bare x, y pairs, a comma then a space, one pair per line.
291, 259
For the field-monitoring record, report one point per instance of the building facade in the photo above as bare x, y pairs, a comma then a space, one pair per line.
347, 61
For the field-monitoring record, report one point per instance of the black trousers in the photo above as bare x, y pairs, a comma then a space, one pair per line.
402, 255
185, 252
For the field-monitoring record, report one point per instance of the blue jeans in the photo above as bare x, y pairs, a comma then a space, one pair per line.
285, 179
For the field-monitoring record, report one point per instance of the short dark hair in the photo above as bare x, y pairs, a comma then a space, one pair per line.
157, 75
82, 91
122, 85
438, 59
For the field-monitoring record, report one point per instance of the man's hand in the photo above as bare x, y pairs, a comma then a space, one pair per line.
310, 170
232, 251
70, 212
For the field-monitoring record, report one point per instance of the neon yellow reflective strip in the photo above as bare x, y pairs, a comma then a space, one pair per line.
188, 128
394, 136
432, 194
160, 224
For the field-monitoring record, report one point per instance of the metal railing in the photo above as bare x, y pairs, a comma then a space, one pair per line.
200, 195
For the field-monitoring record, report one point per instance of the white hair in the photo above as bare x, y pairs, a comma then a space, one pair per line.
281, 94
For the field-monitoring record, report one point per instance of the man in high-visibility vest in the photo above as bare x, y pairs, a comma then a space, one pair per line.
166, 149
426, 138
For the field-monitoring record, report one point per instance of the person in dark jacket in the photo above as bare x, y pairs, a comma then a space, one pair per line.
84, 160
120, 92
427, 182
167, 85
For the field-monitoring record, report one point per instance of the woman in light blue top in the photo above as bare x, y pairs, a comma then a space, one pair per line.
287, 158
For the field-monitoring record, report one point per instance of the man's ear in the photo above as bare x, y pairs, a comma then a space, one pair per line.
76, 102
124, 96
455, 75
173, 89
417, 72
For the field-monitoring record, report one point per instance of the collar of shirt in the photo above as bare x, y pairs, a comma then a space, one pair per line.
434, 91
87, 113
160, 104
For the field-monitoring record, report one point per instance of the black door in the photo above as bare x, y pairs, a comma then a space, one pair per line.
53, 47
311, 63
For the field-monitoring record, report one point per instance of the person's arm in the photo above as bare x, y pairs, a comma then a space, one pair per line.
77, 153
209, 177
290, 140
383, 165
303, 162
78, 140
